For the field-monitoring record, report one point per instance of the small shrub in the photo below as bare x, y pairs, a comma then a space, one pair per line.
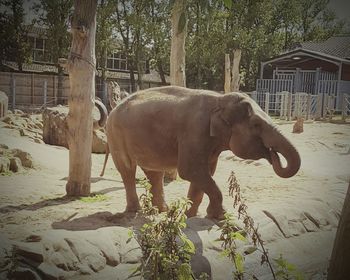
230, 233
166, 250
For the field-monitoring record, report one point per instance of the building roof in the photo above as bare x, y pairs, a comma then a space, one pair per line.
335, 50
337, 46
152, 77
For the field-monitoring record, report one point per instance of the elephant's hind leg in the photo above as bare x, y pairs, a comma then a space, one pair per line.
128, 174
195, 194
156, 179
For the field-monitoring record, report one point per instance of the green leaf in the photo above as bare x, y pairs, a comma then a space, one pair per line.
185, 272
239, 261
238, 236
188, 244
228, 4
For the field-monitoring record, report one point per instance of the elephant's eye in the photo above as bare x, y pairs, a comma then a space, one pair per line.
256, 127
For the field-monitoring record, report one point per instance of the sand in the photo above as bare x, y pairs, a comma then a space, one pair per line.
297, 217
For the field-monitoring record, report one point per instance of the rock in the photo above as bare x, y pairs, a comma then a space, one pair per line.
24, 273
298, 127
26, 158
18, 112
15, 164
52, 272
30, 251
99, 141
3, 146
87, 254
105, 244
4, 103
55, 129
57, 252
4, 165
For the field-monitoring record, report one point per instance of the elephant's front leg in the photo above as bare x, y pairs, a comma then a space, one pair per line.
195, 193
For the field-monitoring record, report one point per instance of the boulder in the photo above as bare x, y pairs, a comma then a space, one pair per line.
55, 129
26, 158
4, 102
15, 164
4, 164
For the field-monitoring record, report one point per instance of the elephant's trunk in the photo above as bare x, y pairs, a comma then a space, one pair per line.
277, 143
103, 114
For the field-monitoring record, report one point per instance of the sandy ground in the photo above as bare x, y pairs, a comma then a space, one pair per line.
297, 217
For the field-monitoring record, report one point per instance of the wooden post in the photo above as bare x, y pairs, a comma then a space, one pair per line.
317, 78
267, 102
13, 91
297, 81
227, 86
45, 93
289, 106
262, 66
81, 68
32, 88
339, 265
235, 78
308, 106
344, 108
54, 90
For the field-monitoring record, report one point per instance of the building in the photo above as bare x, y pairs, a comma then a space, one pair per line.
317, 68
37, 83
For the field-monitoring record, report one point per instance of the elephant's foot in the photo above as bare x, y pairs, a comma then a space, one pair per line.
134, 208
161, 205
215, 213
192, 212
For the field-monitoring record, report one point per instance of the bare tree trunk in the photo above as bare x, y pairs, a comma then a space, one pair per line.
339, 266
235, 70
81, 99
227, 87
178, 38
177, 53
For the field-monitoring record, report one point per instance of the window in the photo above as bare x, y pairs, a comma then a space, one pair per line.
117, 61
38, 49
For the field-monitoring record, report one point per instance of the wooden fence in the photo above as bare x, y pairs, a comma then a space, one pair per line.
32, 89
289, 106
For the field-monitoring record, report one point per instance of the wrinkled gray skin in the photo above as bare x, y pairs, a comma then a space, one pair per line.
171, 127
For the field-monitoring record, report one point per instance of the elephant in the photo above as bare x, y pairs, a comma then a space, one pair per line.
171, 127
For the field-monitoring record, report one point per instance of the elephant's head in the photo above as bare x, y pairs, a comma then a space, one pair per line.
250, 133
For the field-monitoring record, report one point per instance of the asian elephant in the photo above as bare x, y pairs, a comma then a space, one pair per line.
172, 127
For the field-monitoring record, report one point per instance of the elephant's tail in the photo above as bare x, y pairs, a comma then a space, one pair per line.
103, 115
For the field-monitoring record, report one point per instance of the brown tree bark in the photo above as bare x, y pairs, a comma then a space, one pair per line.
235, 70
81, 67
340, 261
178, 38
227, 86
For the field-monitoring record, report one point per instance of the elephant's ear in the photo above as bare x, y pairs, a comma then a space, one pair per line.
218, 125
228, 113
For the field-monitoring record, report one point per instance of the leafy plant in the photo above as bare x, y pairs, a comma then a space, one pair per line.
94, 198
230, 234
285, 270
166, 250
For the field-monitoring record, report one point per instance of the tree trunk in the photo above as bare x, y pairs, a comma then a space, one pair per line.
161, 72
227, 86
235, 70
177, 54
81, 99
339, 265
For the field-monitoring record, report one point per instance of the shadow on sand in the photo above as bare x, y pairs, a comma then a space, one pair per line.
51, 202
